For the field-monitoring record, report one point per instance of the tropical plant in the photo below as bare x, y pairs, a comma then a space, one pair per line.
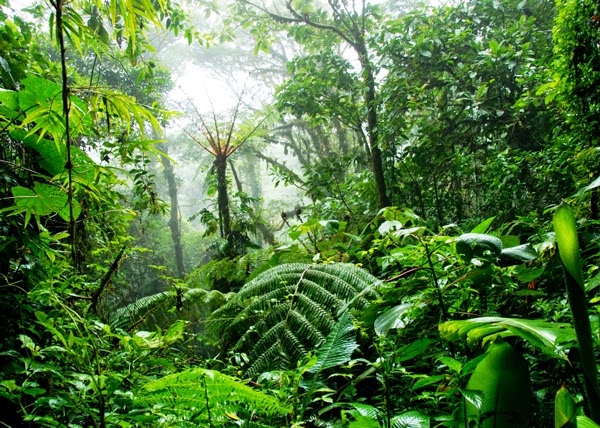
221, 141
205, 398
288, 311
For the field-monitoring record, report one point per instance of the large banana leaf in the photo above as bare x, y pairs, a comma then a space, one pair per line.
552, 338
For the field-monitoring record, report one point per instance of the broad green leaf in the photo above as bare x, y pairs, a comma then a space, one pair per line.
591, 186
509, 241
585, 422
475, 398
338, 346
483, 226
564, 409
503, 378
516, 255
412, 419
568, 245
413, 349
9, 99
527, 274
389, 226
551, 338
451, 363
392, 318
52, 159
361, 421
366, 410
193, 389
27, 342
37, 91
43, 200
428, 380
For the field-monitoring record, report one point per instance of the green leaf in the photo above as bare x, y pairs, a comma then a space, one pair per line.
527, 274
483, 226
44, 200
516, 255
414, 349
564, 409
54, 157
37, 91
9, 99
412, 419
389, 226
509, 241
451, 363
594, 184
366, 410
475, 398
428, 380
289, 310
338, 346
585, 422
392, 318
195, 391
552, 338
503, 378
568, 245
361, 421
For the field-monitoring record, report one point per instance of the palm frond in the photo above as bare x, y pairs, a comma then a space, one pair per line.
289, 310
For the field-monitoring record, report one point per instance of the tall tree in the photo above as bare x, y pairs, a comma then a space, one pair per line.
461, 115
347, 22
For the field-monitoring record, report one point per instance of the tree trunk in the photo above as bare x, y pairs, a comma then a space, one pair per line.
174, 224
223, 196
373, 134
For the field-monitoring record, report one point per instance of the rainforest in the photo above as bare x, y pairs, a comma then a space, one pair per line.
299, 213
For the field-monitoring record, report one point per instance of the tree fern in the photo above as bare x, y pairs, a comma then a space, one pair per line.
203, 398
289, 310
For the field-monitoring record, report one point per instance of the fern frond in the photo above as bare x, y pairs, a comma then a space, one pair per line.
160, 309
193, 394
338, 347
290, 309
336, 350
136, 312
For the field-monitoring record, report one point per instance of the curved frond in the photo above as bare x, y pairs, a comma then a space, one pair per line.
202, 396
289, 310
161, 308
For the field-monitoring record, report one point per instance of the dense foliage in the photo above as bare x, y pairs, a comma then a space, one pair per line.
441, 267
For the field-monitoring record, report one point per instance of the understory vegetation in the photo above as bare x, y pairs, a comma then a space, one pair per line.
395, 225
